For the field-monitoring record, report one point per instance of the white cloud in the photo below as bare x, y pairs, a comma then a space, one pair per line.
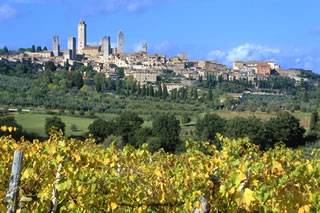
251, 52
245, 52
6, 12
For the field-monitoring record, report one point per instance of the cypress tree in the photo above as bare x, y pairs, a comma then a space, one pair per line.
210, 95
165, 92
139, 89
159, 92
195, 93
151, 91
144, 92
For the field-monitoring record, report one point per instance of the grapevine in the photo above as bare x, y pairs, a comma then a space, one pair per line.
94, 178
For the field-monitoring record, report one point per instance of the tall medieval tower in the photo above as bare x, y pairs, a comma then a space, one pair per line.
120, 46
56, 46
82, 36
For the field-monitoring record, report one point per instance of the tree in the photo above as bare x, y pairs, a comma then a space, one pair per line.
45, 49
159, 91
251, 127
120, 72
185, 118
151, 91
99, 82
101, 129
167, 128
139, 89
209, 126
285, 128
77, 80
126, 126
174, 94
73, 128
54, 123
165, 93
141, 136
50, 66
144, 91
314, 120
195, 93
210, 94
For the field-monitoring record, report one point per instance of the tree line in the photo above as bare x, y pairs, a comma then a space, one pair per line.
165, 130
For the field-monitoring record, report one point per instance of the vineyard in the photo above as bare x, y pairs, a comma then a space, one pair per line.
85, 177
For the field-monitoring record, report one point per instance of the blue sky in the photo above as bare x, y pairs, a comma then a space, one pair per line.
287, 31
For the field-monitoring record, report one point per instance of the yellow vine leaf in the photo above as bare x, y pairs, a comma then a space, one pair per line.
77, 157
52, 148
309, 168
157, 172
277, 167
113, 205
246, 199
3, 128
304, 209
59, 159
241, 177
27, 173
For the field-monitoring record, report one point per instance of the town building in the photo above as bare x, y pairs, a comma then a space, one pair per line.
91, 51
43, 54
143, 76
264, 68
212, 66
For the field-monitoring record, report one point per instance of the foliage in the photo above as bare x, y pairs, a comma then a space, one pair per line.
167, 128
54, 123
209, 126
126, 126
250, 127
239, 177
186, 118
285, 128
101, 129
314, 121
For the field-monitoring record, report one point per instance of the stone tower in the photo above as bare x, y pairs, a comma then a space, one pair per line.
82, 36
106, 46
144, 48
120, 46
72, 47
56, 45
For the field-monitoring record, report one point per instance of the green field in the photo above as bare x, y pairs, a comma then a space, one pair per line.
35, 122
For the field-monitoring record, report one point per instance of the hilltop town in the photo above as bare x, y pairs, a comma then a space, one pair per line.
143, 67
